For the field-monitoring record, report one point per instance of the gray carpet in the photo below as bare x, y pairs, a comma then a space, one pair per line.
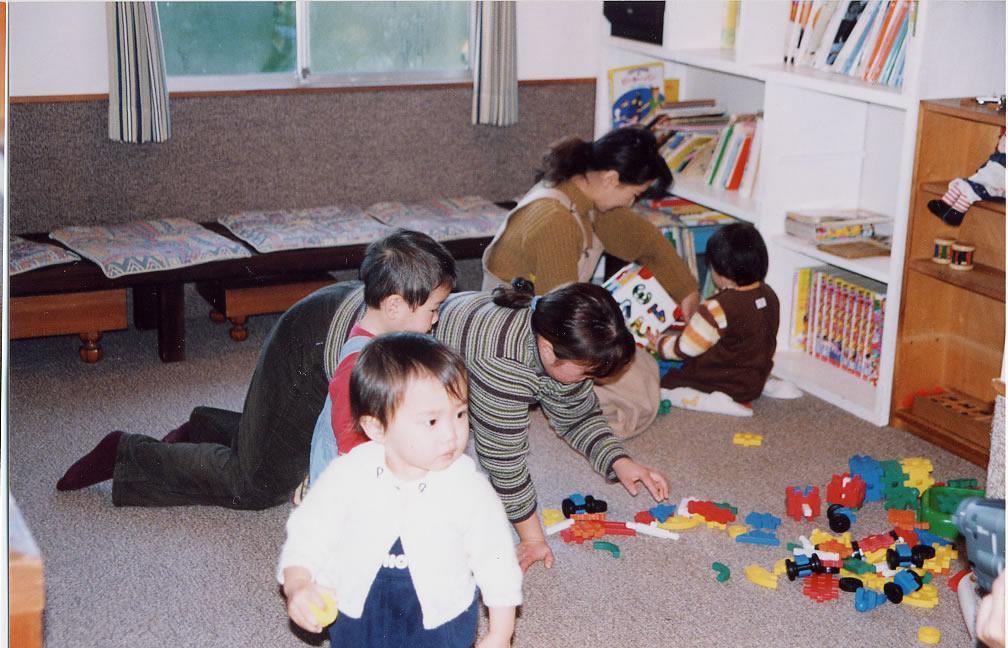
203, 576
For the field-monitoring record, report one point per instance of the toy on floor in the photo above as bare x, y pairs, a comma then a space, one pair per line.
578, 503
747, 439
929, 635
840, 518
723, 573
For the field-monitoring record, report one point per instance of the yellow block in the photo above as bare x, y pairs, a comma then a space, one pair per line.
779, 568
680, 523
876, 557
326, 615
736, 530
818, 537
928, 635
747, 439
761, 577
552, 516
925, 597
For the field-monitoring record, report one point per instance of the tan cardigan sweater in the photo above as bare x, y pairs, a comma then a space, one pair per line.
543, 243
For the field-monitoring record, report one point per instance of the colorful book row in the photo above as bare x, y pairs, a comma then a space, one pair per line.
837, 317
865, 39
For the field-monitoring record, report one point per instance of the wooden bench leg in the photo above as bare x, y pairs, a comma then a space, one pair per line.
217, 317
145, 307
238, 331
171, 322
90, 352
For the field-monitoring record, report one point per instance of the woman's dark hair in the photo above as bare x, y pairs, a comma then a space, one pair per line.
736, 251
581, 320
631, 151
405, 263
389, 363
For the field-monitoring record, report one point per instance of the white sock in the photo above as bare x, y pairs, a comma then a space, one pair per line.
717, 402
777, 388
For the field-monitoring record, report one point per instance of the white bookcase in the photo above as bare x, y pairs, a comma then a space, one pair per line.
828, 141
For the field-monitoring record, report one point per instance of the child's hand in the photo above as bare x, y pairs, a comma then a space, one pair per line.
532, 551
629, 472
689, 305
307, 604
653, 339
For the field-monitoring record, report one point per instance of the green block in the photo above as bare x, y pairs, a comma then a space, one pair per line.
857, 566
892, 473
961, 483
937, 508
901, 497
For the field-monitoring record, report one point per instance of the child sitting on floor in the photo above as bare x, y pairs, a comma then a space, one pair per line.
728, 345
406, 276
402, 530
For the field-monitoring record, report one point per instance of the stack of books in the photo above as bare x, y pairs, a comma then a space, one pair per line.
837, 317
688, 226
864, 39
837, 225
735, 155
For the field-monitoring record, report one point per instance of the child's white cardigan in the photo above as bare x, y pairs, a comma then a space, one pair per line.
453, 528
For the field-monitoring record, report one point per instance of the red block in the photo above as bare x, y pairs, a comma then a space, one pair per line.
907, 536
821, 587
794, 498
711, 512
644, 518
871, 543
618, 528
846, 491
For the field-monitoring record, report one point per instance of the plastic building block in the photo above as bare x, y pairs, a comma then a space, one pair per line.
557, 527
644, 517
802, 566
918, 472
618, 528
942, 560
710, 512
802, 503
840, 518
578, 503
760, 576
736, 530
683, 507
606, 546
756, 536
892, 474
747, 439
902, 497
925, 597
866, 599
680, 523
841, 550
961, 483
762, 521
780, 567
652, 530
821, 588
898, 556
903, 584
552, 516
728, 506
664, 407
850, 584
937, 507
872, 543
929, 635
723, 573
661, 512
927, 537
902, 517
870, 471
326, 615
846, 490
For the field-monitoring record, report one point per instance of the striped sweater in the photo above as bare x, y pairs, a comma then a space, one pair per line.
506, 378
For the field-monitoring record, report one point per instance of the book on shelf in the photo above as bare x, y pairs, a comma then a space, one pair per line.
854, 45
646, 306
635, 93
735, 150
822, 14
837, 317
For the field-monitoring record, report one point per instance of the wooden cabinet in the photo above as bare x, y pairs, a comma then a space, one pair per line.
952, 322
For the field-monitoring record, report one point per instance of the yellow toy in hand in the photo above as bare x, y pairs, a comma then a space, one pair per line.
326, 615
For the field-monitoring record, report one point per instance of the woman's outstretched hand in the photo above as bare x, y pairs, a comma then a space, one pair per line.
629, 472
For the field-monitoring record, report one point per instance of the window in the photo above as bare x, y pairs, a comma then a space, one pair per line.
247, 45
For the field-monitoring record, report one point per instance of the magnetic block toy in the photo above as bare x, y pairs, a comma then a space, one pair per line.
763, 521
846, 490
802, 503
821, 588
840, 518
802, 566
903, 584
578, 503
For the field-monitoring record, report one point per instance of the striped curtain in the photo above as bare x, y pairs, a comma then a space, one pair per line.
495, 64
138, 92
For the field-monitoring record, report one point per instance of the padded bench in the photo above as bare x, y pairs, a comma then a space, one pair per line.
236, 300
159, 297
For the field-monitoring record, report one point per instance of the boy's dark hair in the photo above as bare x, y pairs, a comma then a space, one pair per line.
405, 263
736, 251
389, 363
581, 320
630, 151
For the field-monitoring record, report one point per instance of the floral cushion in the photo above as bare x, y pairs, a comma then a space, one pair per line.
450, 218
148, 246
269, 231
28, 255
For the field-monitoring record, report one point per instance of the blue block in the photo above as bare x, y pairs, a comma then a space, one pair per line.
870, 470
762, 521
662, 512
758, 537
577, 498
928, 538
866, 599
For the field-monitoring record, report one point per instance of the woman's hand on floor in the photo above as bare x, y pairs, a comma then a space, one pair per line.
629, 472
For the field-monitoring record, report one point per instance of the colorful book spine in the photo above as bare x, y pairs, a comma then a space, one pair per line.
800, 317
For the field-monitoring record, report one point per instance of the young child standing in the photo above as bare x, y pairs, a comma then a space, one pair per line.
406, 276
402, 530
728, 345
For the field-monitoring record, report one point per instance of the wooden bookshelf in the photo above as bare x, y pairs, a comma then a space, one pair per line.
952, 323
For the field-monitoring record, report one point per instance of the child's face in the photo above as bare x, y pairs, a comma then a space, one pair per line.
422, 318
428, 431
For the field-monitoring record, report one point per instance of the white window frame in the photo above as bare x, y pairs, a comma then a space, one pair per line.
302, 77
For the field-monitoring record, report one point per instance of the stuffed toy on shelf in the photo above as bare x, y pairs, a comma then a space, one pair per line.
988, 183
